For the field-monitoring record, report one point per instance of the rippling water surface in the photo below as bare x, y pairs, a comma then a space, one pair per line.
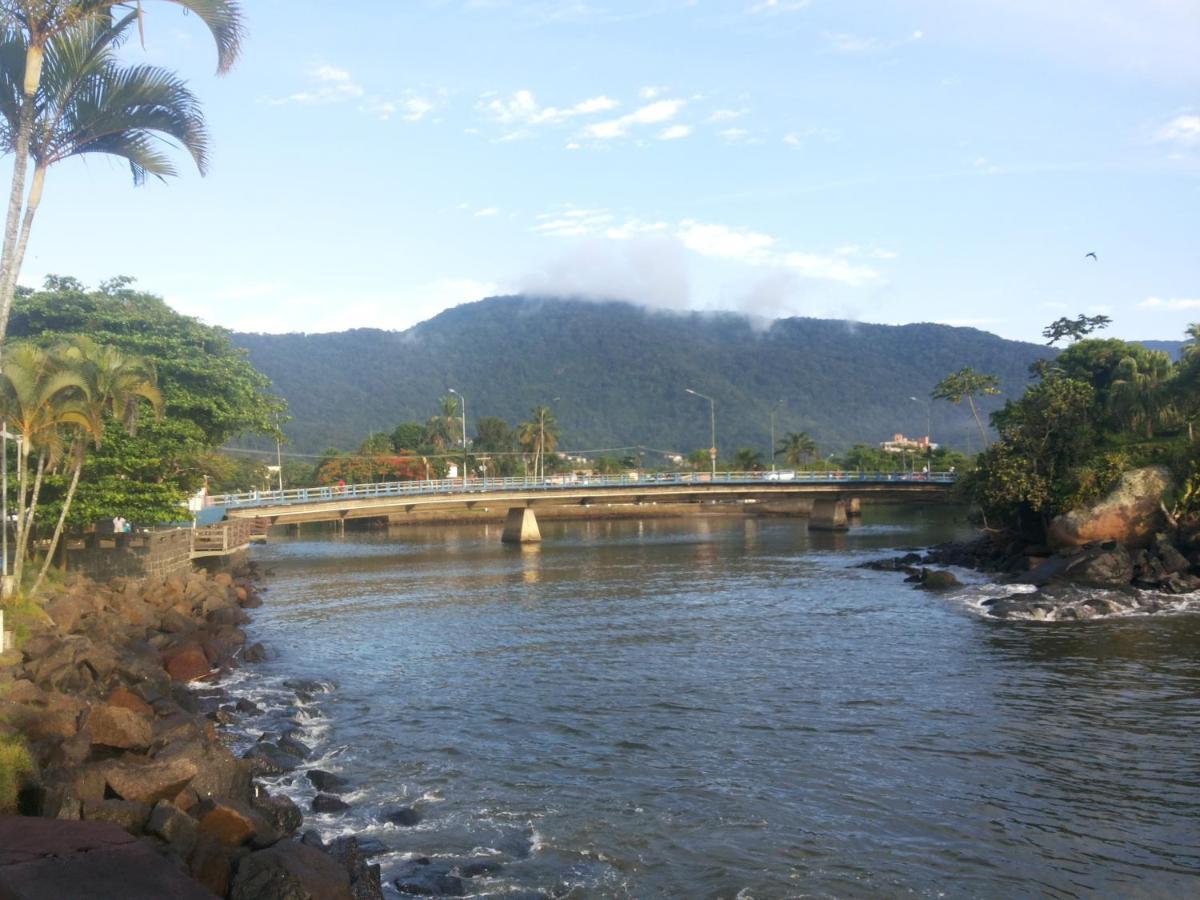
719, 707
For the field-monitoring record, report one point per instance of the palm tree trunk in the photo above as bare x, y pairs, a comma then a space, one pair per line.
23, 541
9, 269
62, 521
31, 208
975, 412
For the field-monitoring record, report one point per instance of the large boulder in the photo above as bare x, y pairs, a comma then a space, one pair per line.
1130, 514
290, 871
118, 728
186, 662
148, 782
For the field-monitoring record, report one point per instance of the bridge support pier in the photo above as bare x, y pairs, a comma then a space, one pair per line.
521, 527
854, 507
828, 515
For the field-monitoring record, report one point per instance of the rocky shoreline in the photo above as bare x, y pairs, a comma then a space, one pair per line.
126, 748
1068, 584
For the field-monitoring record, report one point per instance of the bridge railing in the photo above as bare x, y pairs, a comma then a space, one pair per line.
326, 494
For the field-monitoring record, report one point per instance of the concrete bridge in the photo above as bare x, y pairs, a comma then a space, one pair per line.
835, 495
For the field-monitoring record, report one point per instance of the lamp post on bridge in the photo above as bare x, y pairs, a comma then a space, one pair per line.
712, 411
464, 420
928, 431
774, 409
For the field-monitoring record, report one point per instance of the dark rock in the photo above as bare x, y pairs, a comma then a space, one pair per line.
327, 782
476, 867
938, 580
248, 707
328, 803
128, 814
1173, 561
57, 859
424, 878
267, 759
256, 652
171, 824
289, 744
405, 816
364, 877
283, 815
1106, 566
290, 871
148, 781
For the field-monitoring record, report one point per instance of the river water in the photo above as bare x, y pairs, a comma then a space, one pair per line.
726, 708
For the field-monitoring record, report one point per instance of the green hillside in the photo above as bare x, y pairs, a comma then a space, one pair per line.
619, 373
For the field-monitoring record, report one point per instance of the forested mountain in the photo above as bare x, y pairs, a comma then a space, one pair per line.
615, 374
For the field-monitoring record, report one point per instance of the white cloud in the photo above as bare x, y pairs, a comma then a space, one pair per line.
802, 137
1173, 303
332, 85
724, 242
651, 114
720, 242
522, 108
1183, 129
675, 132
412, 107
487, 211
734, 135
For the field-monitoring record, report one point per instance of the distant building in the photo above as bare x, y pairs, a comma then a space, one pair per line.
900, 444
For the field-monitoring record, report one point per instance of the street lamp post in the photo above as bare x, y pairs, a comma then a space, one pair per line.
928, 431
712, 412
774, 409
464, 420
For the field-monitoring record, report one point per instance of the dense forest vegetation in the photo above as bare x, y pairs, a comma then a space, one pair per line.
615, 375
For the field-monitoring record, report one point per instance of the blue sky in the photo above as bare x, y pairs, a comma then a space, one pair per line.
929, 160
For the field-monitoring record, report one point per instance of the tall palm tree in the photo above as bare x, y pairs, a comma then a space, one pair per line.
796, 448
109, 383
539, 436
89, 103
747, 459
1139, 396
38, 394
39, 22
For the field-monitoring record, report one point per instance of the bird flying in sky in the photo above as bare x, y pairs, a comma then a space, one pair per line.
1092, 255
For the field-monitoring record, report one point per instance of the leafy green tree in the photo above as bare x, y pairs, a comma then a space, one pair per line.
212, 394
967, 384
377, 442
1030, 474
1073, 329
408, 436
495, 439
610, 465
38, 23
796, 448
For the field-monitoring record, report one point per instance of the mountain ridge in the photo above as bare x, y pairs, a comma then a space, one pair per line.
615, 374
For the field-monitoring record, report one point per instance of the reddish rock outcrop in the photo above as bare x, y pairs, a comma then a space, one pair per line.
1131, 514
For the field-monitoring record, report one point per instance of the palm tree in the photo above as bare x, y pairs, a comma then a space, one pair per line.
109, 382
796, 448
38, 23
539, 436
747, 459
37, 396
1139, 396
89, 103
965, 384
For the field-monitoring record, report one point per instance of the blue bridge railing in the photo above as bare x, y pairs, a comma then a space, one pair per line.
459, 486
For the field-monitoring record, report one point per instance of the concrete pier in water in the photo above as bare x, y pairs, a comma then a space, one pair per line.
521, 527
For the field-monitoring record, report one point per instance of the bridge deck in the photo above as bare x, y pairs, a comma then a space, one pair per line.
392, 498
